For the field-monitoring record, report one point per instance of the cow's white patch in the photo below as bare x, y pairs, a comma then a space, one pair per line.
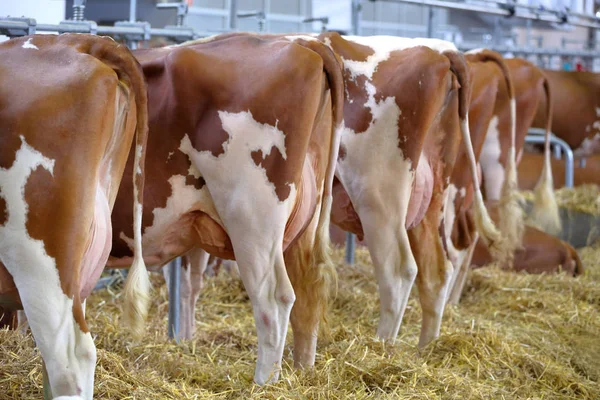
170, 155
29, 45
476, 51
186, 148
450, 195
69, 354
489, 159
598, 112
383, 46
307, 37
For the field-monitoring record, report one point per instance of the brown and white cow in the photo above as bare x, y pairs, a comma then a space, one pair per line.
576, 110
405, 113
541, 253
241, 152
529, 83
69, 108
488, 74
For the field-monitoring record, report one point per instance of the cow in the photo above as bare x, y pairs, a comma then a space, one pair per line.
501, 137
405, 114
529, 83
489, 73
70, 106
244, 134
576, 110
540, 253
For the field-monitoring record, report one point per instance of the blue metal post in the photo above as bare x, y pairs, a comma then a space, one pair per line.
174, 298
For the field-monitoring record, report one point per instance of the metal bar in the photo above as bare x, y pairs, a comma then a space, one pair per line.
356, 11
546, 10
531, 50
350, 247
132, 10
430, 22
536, 135
174, 298
233, 12
534, 16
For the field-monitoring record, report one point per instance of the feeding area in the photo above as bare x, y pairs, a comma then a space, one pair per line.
512, 336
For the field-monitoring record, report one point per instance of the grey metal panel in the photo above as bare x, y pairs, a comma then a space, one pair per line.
211, 3
284, 27
251, 4
206, 23
286, 7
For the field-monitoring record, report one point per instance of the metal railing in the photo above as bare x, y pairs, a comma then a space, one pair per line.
536, 135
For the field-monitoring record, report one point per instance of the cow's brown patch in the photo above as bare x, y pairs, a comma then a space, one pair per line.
342, 152
3, 211
356, 116
10, 145
269, 163
198, 183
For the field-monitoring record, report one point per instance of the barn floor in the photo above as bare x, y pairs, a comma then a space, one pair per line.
513, 336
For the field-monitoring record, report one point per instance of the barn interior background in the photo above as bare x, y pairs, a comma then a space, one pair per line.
554, 34
557, 34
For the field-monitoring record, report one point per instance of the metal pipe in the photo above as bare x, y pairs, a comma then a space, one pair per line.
356, 10
174, 298
233, 11
534, 16
132, 10
430, 22
536, 135
532, 50
79, 10
350, 248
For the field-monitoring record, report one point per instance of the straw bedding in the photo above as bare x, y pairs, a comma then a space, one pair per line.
513, 336
584, 198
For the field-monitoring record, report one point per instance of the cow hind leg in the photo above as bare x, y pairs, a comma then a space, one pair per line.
461, 272
265, 278
311, 273
395, 269
434, 274
198, 264
59, 331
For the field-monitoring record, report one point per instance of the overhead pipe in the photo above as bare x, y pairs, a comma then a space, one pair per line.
560, 17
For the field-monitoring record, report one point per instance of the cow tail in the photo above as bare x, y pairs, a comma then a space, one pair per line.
511, 219
483, 223
545, 213
320, 270
137, 286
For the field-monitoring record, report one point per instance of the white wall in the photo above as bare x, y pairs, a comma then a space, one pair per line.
43, 11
